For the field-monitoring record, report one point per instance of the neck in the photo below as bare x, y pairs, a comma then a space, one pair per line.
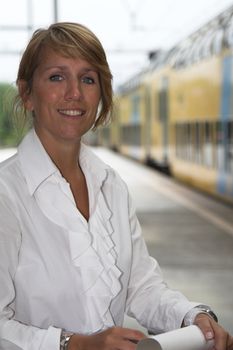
64, 154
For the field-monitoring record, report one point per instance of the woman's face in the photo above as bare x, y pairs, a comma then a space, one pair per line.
64, 97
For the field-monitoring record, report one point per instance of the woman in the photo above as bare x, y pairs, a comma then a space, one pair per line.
72, 260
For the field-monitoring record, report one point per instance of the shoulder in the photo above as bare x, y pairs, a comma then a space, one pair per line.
116, 180
12, 182
9, 169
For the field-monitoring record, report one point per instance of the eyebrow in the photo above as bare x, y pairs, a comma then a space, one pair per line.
64, 68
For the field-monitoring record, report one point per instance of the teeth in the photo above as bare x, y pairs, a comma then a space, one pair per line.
71, 112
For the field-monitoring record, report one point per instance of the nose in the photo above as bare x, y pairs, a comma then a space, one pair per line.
73, 90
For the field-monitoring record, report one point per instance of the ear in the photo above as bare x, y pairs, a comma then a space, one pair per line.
25, 94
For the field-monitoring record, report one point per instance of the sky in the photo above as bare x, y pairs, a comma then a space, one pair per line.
128, 29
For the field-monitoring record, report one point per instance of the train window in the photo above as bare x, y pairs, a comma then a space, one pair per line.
202, 141
197, 144
218, 42
214, 144
202, 47
135, 108
163, 100
205, 49
131, 134
208, 151
195, 53
192, 52
189, 142
180, 141
220, 145
229, 34
229, 150
184, 56
225, 146
176, 140
181, 57
192, 142
106, 136
185, 141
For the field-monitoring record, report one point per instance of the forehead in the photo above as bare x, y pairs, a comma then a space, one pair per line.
50, 58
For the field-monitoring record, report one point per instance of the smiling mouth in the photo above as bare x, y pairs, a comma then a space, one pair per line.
72, 112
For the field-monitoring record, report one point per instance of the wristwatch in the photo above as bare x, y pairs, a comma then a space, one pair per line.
206, 309
64, 340
191, 315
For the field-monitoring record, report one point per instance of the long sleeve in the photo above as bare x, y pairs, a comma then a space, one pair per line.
150, 300
15, 335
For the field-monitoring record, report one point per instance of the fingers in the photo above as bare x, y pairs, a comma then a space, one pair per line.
203, 322
111, 339
221, 338
124, 338
131, 334
212, 330
230, 343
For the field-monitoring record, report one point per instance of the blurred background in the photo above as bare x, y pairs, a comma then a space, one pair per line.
128, 29
171, 135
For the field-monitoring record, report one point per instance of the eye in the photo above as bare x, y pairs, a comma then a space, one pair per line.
56, 77
88, 80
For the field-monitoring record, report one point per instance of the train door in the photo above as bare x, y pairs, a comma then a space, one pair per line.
224, 130
163, 116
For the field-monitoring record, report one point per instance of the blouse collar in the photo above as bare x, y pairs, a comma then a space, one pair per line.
37, 166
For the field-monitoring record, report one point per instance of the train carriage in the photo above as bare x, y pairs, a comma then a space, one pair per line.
178, 112
201, 118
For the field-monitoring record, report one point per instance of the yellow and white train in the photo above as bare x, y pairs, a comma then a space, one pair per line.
178, 112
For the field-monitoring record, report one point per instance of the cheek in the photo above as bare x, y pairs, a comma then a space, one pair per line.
43, 99
95, 100
54, 96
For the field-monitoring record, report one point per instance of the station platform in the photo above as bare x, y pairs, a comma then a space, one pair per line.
189, 233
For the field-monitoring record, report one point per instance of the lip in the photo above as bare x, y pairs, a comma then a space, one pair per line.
71, 112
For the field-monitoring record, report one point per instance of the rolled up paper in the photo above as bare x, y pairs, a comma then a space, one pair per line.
187, 338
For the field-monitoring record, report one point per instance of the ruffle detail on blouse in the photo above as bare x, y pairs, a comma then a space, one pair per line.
96, 258
91, 247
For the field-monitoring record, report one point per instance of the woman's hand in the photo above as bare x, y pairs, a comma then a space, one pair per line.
212, 330
110, 339
230, 343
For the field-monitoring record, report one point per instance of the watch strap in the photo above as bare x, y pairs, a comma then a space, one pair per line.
64, 340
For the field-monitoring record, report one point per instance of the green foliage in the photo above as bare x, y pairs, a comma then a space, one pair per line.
8, 133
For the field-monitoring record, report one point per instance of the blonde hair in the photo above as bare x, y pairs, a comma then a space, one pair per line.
69, 40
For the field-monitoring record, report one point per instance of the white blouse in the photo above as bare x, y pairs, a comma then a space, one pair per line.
58, 271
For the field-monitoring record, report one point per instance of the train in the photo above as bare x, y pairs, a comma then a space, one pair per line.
177, 113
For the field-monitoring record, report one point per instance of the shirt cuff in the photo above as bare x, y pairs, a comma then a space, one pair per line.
52, 339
